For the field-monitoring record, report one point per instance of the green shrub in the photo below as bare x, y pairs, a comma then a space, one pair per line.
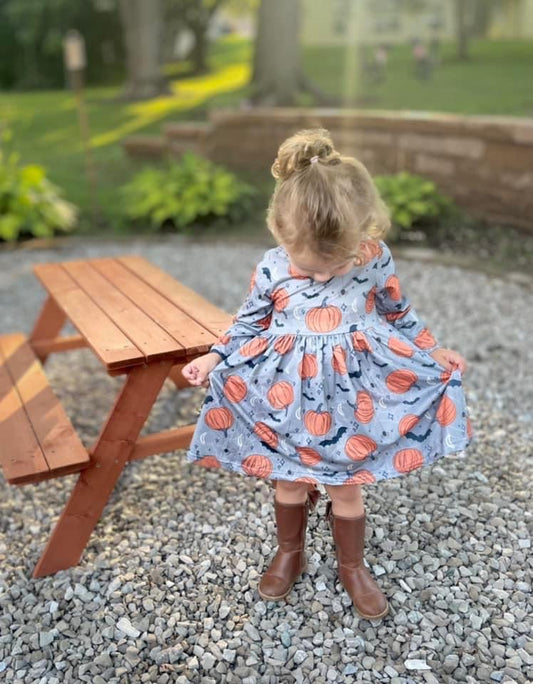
414, 203
30, 205
180, 194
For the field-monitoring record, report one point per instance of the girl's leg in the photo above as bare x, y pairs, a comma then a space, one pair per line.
347, 520
291, 509
347, 500
291, 492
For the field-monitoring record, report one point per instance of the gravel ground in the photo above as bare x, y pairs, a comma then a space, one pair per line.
166, 589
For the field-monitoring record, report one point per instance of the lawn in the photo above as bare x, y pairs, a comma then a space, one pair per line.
497, 80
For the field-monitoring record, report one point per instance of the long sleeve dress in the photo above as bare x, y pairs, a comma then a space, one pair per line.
328, 382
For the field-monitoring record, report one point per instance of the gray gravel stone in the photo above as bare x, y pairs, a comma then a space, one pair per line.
166, 590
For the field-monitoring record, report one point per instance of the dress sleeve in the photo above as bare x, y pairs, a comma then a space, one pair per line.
396, 307
253, 316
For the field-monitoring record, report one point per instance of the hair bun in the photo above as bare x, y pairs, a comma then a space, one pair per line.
296, 152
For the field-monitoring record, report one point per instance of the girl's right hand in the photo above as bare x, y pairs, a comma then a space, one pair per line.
196, 372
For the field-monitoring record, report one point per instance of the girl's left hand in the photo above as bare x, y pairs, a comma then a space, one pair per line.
450, 359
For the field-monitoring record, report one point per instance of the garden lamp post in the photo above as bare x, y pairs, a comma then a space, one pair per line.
75, 62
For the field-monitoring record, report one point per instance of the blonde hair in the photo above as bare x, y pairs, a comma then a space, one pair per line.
323, 201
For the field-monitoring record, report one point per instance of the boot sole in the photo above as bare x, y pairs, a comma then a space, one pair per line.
373, 617
281, 596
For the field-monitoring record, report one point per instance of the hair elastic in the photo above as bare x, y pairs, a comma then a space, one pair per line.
314, 159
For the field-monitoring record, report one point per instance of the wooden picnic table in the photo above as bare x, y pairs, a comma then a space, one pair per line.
140, 323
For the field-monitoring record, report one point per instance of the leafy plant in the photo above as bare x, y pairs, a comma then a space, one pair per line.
180, 194
414, 202
29, 203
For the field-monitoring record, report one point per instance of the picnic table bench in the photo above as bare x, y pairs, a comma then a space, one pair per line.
140, 323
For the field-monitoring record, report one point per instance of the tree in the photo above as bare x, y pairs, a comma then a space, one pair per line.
462, 29
143, 28
277, 73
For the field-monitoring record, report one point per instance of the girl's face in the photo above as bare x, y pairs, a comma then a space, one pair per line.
316, 267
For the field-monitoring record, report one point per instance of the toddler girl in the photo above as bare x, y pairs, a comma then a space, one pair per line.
327, 375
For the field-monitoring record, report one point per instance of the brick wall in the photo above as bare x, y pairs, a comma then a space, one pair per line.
485, 163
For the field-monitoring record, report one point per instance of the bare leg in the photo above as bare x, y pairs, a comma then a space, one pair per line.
291, 492
347, 500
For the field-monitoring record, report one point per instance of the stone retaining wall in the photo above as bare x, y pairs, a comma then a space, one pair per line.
485, 163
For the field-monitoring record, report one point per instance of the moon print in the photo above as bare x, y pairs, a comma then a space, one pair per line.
299, 312
448, 441
298, 413
381, 403
239, 441
340, 411
253, 401
354, 305
202, 438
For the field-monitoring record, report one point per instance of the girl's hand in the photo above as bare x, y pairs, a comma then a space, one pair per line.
450, 359
196, 372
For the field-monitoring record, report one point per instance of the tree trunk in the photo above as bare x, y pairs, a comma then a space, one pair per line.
462, 29
143, 29
198, 54
276, 69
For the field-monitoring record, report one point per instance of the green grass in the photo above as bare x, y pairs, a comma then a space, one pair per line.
496, 80
45, 125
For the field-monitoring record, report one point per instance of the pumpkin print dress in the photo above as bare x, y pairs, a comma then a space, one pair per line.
328, 382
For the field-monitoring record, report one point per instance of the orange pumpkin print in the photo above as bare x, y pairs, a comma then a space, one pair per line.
284, 343
369, 250
308, 456
408, 459
307, 480
219, 418
294, 273
396, 315
208, 462
446, 413
323, 318
392, 285
360, 341
425, 339
407, 423
359, 447
223, 339
281, 395
257, 465
400, 381
469, 428
308, 366
280, 297
317, 422
235, 389
254, 347
338, 360
445, 376
400, 347
370, 300
265, 321
253, 280
365, 407
266, 434
361, 477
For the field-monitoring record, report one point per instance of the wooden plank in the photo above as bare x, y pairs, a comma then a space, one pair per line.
147, 335
49, 323
20, 452
43, 348
163, 442
179, 325
108, 342
95, 484
194, 305
57, 438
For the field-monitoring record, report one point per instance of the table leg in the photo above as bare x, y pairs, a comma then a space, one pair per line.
110, 454
50, 321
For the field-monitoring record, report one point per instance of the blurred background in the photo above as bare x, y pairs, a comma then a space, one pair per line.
128, 116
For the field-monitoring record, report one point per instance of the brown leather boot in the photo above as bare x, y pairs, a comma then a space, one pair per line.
349, 537
289, 561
